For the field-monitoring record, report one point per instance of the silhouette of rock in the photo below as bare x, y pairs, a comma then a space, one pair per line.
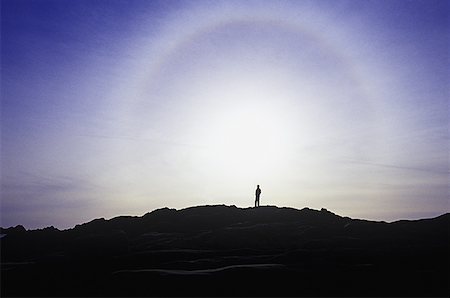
13, 230
214, 250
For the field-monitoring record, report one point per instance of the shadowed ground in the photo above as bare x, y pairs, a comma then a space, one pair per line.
229, 251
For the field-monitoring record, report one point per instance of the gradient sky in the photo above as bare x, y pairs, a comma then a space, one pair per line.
120, 107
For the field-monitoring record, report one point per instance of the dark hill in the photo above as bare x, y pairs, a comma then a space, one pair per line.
228, 251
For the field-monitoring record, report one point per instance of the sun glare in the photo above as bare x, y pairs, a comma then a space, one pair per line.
248, 136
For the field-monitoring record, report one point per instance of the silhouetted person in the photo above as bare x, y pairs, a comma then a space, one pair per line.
257, 194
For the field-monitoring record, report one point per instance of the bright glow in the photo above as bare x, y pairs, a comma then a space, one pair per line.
250, 138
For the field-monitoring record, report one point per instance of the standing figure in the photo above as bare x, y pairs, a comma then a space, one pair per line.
257, 194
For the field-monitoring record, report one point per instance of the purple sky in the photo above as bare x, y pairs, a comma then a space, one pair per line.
121, 107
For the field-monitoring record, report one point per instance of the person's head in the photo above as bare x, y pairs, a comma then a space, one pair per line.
257, 186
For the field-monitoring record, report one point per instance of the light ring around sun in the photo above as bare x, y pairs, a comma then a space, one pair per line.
241, 113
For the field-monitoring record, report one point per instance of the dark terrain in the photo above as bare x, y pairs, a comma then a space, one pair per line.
229, 251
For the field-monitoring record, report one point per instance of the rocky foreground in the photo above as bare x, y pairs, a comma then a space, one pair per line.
229, 251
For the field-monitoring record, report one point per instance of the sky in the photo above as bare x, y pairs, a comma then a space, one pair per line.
121, 107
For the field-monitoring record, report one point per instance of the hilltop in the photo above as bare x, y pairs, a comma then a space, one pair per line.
219, 250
